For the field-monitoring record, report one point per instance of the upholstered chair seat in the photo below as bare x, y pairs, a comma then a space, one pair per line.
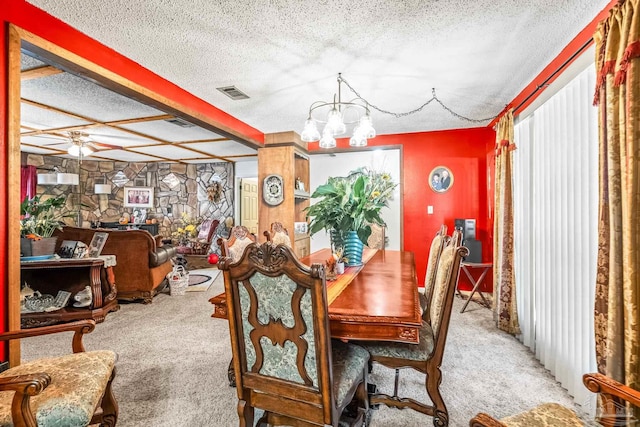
546, 415
77, 384
73, 390
405, 351
348, 363
612, 411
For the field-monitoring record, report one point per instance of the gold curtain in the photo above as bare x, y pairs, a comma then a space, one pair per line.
504, 285
617, 314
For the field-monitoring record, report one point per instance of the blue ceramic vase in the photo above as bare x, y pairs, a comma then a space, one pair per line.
353, 249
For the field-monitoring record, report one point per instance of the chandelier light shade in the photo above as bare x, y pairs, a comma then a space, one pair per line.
332, 115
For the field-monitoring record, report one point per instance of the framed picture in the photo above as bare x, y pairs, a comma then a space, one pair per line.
300, 227
67, 248
440, 179
138, 197
97, 243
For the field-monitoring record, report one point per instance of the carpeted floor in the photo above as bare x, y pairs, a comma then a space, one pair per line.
173, 357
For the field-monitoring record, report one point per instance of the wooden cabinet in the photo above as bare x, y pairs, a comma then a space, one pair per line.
286, 155
72, 275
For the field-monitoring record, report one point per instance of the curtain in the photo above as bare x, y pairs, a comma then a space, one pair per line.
555, 231
504, 288
28, 181
617, 311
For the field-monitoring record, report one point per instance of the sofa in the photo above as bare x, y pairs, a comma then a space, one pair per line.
137, 276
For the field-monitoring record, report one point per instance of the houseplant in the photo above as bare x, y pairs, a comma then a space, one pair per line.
348, 205
38, 220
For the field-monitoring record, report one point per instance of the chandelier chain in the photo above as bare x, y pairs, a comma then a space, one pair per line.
434, 97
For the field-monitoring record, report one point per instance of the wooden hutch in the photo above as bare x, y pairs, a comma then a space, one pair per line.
286, 155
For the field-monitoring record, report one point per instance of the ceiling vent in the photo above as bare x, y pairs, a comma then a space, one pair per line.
233, 92
180, 122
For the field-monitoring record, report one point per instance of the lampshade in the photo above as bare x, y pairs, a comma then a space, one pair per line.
47, 179
68, 179
102, 189
327, 140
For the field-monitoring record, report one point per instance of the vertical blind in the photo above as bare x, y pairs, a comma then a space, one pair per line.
556, 230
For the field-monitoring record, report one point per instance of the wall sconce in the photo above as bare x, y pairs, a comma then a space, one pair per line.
102, 189
68, 179
58, 178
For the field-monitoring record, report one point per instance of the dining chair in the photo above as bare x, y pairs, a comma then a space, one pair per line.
377, 239
68, 390
613, 411
437, 244
239, 239
284, 359
278, 234
425, 357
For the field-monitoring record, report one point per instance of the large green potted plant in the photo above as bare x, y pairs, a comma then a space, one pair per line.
348, 205
38, 220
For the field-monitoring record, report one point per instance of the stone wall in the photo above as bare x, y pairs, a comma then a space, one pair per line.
202, 190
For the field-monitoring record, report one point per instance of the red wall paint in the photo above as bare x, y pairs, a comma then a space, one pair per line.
465, 152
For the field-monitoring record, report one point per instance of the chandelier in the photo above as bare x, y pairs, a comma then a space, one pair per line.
335, 116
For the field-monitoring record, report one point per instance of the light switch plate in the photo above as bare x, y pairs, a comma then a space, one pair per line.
430, 210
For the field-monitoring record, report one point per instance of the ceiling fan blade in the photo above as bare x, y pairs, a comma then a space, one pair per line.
103, 146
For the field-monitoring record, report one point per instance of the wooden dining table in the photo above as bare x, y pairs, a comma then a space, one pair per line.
375, 301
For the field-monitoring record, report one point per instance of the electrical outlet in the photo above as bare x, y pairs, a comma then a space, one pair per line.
430, 210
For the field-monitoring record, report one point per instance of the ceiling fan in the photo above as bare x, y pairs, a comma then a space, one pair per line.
82, 145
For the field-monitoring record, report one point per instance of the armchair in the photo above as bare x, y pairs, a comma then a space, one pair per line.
278, 235
70, 390
283, 357
613, 396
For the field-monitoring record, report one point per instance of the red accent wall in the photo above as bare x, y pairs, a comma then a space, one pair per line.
465, 152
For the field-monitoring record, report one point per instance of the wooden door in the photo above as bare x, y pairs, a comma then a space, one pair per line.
249, 204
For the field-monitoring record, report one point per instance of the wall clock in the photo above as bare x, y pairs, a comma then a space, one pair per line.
272, 190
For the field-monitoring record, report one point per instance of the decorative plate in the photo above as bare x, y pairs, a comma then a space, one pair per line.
272, 190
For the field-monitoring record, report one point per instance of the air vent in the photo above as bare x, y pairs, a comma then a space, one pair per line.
180, 122
233, 92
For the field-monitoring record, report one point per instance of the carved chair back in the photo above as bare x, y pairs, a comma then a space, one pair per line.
207, 228
377, 239
279, 331
444, 289
240, 237
437, 244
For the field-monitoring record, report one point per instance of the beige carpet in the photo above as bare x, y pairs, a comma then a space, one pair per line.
173, 357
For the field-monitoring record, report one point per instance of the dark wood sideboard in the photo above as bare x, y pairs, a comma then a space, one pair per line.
72, 275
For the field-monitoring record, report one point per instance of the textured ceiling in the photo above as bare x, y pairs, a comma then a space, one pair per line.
286, 54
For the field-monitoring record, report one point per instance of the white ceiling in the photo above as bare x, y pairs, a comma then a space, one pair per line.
286, 54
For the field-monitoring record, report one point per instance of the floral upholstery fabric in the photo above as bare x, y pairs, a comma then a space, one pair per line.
546, 415
349, 363
281, 238
274, 295
403, 350
77, 384
432, 267
236, 251
440, 286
